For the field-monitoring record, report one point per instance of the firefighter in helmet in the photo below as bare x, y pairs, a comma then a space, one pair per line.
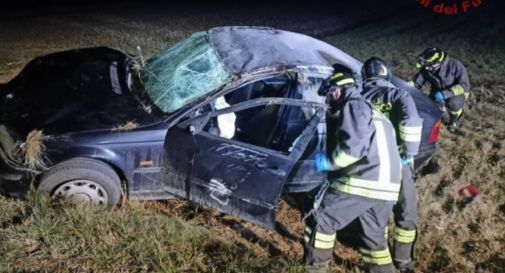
449, 83
399, 106
363, 179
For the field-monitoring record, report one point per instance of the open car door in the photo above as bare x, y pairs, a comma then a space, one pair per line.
241, 176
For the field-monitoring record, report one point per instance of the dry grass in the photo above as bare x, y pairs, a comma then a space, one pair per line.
456, 234
41, 235
469, 231
33, 149
128, 126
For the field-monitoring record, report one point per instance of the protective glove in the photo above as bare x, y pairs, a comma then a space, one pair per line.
439, 96
323, 164
406, 160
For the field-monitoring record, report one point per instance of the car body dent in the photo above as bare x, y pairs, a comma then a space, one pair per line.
229, 175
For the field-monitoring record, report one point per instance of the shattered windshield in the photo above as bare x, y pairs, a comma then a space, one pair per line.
183, 73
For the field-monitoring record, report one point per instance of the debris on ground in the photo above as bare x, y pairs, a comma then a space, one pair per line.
130, 125
469, 191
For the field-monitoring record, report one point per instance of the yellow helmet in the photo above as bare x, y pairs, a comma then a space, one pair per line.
342, 77
431, 56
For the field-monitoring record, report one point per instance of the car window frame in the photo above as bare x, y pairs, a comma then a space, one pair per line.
199, 122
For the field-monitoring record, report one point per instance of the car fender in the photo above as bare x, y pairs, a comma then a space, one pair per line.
57, 155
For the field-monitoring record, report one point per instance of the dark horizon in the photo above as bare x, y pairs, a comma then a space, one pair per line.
488, 15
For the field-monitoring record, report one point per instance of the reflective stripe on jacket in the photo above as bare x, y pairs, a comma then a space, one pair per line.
401, 110
451, 78
361, 143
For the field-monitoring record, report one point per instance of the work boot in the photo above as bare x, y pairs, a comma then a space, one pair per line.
383, 268
322, 267
453, 123
453, 127
403, 256
406, 266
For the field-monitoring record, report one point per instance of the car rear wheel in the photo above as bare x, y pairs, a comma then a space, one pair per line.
82, 180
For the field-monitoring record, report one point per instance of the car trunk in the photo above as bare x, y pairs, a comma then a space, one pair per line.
431, 116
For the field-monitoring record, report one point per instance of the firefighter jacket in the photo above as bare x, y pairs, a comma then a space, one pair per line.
399, 107
451, 78
361, 145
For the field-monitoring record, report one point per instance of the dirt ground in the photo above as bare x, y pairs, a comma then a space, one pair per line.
456, 234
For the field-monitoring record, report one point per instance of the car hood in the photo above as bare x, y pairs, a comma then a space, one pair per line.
76, 90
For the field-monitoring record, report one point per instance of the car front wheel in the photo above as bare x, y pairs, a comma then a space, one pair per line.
82, 180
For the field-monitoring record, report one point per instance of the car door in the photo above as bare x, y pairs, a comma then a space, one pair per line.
238, 176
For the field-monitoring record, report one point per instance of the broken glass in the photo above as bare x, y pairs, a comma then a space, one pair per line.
183, 73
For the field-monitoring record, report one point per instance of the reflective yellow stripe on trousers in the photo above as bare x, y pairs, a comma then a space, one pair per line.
404, 236
379, 257
307, 234
324, 241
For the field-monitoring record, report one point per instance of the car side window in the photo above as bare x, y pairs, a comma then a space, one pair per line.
267, 126
275, 126
277, 86
307, 89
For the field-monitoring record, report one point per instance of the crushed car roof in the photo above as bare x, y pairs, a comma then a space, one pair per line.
244, 49
206, 61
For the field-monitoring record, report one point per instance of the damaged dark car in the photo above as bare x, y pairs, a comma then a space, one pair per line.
84, 124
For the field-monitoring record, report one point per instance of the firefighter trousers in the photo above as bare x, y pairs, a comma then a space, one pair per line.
335, 212
454, 106
405, 216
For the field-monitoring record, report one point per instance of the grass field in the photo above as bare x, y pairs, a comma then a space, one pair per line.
455, 234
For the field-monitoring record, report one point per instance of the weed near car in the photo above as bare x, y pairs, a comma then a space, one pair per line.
38, 235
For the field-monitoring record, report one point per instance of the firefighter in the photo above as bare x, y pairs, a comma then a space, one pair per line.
400, 108
363, 177
449, 83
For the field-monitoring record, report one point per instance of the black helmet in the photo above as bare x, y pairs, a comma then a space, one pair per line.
342, 77
375, 68
431, 56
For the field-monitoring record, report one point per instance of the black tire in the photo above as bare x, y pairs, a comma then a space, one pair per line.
80, 179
